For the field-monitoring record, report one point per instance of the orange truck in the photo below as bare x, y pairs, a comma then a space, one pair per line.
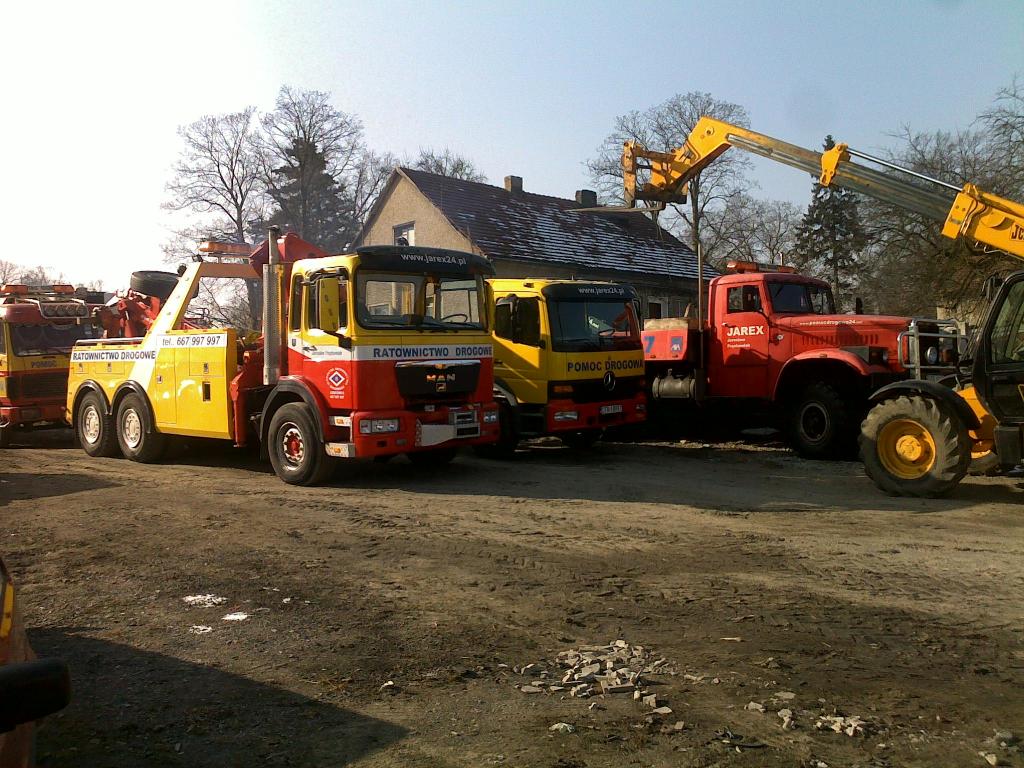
38, 327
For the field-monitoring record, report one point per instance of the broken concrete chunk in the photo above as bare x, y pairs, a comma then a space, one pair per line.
530, 689
662, 711
753, 706
611, 688
562, 728
784, 695
650, 700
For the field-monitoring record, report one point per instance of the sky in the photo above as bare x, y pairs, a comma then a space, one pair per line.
95, 92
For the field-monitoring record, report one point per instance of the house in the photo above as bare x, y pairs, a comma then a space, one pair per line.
530, 235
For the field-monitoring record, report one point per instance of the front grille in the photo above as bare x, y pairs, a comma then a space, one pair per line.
38, 386
437, 380
595, 391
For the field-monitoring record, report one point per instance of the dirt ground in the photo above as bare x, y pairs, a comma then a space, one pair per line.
758, 576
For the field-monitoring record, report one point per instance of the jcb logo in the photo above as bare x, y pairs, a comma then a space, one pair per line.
1017, 232
748, 330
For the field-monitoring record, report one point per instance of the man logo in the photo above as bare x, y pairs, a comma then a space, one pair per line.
609, 381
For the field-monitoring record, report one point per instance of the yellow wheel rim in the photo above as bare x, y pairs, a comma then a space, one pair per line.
906, 449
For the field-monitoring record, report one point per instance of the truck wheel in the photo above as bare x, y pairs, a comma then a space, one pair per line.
136, 433
581, 441
297, 454
154, 283
5, 436
508, 439
94, 428
435, 458
911, 446
820, 426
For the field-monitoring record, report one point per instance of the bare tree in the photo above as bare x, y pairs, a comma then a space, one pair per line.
40, 275
750, 229
9, 271
445, 162
220, 171
665, 127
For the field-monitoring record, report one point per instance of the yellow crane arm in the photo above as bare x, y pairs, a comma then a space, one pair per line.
968, 212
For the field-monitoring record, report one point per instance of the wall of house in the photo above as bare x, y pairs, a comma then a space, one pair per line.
407, 205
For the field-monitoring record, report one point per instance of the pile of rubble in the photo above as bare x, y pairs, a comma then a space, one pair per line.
590, 670
851, 726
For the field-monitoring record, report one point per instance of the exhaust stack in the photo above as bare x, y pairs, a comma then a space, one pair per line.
272, 311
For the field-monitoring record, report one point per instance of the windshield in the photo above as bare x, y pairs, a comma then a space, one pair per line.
47, 338
801, 298
423, 302
586, 326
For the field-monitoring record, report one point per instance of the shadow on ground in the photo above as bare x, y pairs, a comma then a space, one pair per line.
132, 707
21, 486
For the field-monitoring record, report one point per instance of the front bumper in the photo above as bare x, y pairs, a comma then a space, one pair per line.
610, 413
444, 427
19, 415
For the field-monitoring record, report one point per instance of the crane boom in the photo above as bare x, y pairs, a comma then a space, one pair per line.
969, 212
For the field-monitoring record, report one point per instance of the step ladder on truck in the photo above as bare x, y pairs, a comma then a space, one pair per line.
920, 436
369, 354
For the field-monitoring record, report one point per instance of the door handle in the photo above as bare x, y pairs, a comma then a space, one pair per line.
728, 325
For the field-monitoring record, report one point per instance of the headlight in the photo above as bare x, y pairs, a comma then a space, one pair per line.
566, 416
490, 417
377, 426
932, 355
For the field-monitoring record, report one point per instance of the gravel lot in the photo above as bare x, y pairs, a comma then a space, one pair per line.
757, 576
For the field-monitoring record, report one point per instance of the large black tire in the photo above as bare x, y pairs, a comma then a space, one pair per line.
136, 434
94, 428
508, 439
438, 457
583, 440
5, 436
154, 283
821, 424
296, 452
913, 446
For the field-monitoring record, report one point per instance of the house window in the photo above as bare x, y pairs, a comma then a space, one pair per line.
654, 307
405, 234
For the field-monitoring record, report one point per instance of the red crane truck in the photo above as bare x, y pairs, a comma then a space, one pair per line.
772, 337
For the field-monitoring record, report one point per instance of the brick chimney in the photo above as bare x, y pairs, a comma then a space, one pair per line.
587, 198
513, 183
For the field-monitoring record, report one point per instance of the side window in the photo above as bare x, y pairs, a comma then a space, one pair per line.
743, 298
526, 322
1008, 331
503, 319
295, 304
312, 303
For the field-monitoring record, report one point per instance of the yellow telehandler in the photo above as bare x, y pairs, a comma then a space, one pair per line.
919, 436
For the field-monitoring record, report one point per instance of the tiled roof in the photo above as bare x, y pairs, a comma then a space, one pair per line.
528, 227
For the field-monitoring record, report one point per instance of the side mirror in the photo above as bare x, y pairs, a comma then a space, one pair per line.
30, 690
858, 306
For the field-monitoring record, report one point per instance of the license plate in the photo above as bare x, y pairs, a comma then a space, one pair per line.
610, 409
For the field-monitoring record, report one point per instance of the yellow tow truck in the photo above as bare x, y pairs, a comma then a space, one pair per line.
364, 355
568, 361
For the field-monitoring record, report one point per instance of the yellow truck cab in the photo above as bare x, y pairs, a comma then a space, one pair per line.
368, 354
569, 360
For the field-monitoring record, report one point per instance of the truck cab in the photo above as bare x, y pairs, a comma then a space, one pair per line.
773, 337
379, 352
38, 327
568, 359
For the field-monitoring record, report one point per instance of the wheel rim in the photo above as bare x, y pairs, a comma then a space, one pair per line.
906, 449
91, 425
293, 447
814, 422
131, 428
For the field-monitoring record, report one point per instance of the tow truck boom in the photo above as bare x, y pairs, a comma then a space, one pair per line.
987, 219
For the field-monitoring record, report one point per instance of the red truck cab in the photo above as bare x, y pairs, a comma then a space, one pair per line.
774, 337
